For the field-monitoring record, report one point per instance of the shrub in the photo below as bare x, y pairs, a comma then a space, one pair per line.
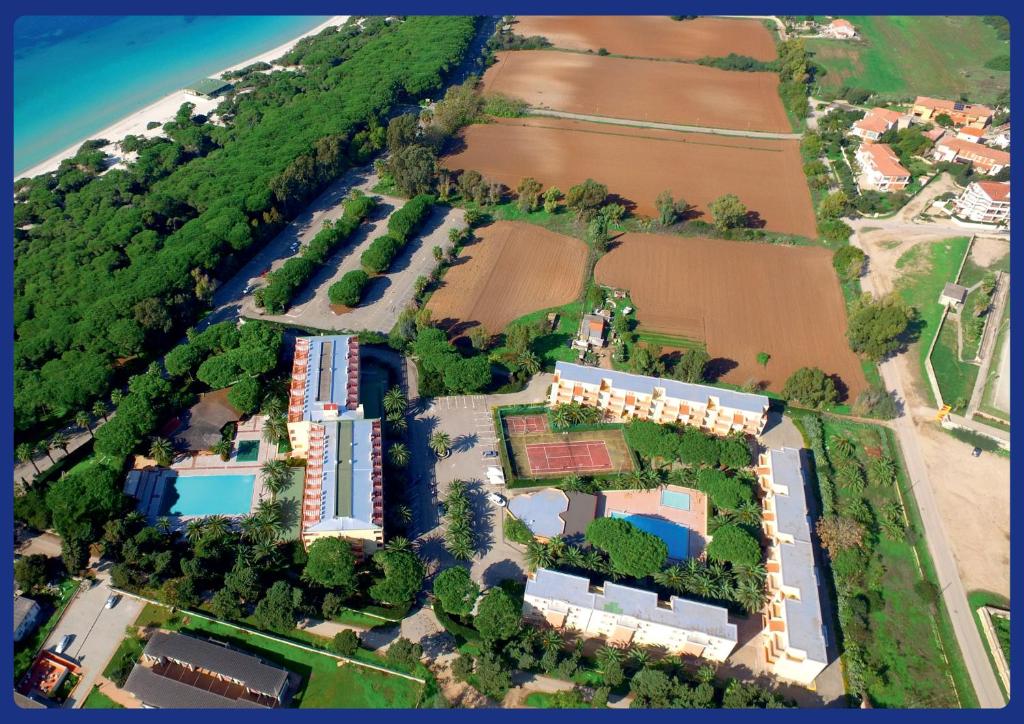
632, 552
348, 290
517, 531
732, 544
345, 642
848, 262
379, 255
810, 386
405, 222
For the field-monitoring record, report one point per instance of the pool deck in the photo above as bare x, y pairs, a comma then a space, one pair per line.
648, 502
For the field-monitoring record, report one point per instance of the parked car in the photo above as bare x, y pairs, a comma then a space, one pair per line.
62, 646
248, 289
112, 600
976, 452
491, 454
497, 500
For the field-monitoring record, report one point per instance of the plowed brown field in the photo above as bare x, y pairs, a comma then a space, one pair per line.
740, 299
643, 90
511, 269
652, 37
637, 164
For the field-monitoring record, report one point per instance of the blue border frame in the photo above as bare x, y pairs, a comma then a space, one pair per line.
15, 8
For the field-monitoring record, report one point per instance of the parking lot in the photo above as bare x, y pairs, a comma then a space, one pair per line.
96, 630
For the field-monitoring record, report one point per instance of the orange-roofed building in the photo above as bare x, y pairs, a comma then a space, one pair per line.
876, 122
985, 202
882, 170
984, 159
841, 28
962, 114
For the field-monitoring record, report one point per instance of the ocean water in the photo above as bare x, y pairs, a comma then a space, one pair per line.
74, 76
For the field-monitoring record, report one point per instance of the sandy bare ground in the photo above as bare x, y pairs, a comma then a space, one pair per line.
652, 36
512, 269
741, 298
637, 164
973, 495
682, 93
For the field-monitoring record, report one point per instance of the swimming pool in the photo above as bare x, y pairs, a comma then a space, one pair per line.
676, 537
675, 499
208, 495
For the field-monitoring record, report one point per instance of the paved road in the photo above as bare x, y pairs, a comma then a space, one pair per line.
97, 633
664, 126
953, 593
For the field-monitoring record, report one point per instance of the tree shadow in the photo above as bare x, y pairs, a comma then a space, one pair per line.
753, 220
375, 290
718, 367
502, 571
465, 443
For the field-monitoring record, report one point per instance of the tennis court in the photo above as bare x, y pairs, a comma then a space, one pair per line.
564, 457
522, 424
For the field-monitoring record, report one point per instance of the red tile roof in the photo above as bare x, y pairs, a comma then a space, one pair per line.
995, 190
944, 106
885, 160
976, 152
878, 120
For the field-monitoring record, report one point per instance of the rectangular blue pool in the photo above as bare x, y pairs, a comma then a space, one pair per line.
675, 499
208, 495
676, 537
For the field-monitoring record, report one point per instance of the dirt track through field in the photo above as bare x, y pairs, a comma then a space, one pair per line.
638, 163
652, 36
512, 269
681, 93
741, 298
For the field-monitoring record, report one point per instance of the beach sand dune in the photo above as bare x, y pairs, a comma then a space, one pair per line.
164, 109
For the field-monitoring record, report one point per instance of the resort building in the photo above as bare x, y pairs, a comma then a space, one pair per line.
794, 633
876, 122
177, 671
962, 114
343, 488
971, 134
623, 616
985, 202
984, 159
552, 512
624, 396
208, 88
882, 170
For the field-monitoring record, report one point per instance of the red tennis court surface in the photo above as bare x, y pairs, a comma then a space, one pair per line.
556, 457
527, 423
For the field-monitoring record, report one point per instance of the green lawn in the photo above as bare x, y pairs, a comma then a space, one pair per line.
908, 639
327, 683
554, 346
956, 379
926, 268
902, 57
98, 700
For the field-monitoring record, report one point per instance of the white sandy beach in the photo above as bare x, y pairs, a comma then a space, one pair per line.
164, 109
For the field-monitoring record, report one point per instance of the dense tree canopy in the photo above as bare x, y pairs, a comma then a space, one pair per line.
332, 564
632, 552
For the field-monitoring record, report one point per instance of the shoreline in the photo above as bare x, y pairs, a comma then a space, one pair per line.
164, 109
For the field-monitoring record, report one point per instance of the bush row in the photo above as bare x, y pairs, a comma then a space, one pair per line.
402, 226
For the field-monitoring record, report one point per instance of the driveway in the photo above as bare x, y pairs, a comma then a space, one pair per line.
97, 633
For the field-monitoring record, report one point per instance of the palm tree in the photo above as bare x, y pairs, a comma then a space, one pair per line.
276, 475
60, 440
638, 658
160, 450
163, 524
672, 578
43, 447
572, 556
398, 424
116, 396
538, 556
559, 416
273, 405
528, 363
83, 420
26, 454
100, 410
440, 443
460, 548
222, 447
572, 483
194, 530
399, 454
749, 572
551, 639
607, 655
841, 445
706, 674
750, 595
748, 513
250, 525
394, 401
398, 544
275, 428
217, 525
646, 479
404, 513
703, 583
557, 545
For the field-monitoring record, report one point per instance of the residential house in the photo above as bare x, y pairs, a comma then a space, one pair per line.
624, 616
985, 202
881, 168
971, 134
592, 329
178, 671
984, 159
624, 396
841, 29
26, 616
343, 488
794, 640
876, 122
962, 114
953, 295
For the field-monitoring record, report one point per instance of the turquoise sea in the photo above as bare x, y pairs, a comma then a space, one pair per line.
74, 76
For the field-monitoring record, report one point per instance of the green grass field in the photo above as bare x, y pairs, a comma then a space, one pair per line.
1001, 624
956, 379
327, 683
925, 270
554, 346
98, 700
902, 57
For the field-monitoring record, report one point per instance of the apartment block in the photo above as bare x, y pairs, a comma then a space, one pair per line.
881, 167
962, 114
876, 122
623, 616
984, 159
624, 396
795, 646
343, 485
985, 202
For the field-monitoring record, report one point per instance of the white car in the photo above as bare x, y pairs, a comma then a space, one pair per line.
497, 500
248, 289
